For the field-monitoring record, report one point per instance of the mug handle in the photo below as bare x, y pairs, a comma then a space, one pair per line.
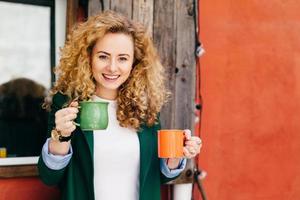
76, 124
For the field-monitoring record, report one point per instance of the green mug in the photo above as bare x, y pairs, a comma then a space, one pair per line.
93, 115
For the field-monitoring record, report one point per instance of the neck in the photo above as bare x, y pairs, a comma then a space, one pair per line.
106, 93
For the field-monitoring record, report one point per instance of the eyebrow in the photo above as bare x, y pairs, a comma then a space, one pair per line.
102, 52
122, 54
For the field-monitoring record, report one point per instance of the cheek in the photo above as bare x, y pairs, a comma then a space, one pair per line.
96, 71
127, 71
96, 67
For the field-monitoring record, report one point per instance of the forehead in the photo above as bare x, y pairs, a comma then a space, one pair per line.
115, 43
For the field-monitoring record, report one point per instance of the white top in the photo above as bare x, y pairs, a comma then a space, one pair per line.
116, 159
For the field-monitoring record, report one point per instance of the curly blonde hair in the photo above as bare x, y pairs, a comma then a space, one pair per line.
142, 95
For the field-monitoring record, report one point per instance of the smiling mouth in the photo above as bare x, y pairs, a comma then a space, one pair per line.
110, 77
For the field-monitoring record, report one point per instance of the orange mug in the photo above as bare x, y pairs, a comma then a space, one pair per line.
170, 143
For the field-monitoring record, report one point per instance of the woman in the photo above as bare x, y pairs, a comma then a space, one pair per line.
109, 58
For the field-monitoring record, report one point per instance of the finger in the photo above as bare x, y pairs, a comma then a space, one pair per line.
187, 134
192, 150
62, 112
193, 144
68, 124
58, 114
61, 121
69, 117
190, 143
196, 139
186, 153
67, 132
73, 104
70, 110
64, 126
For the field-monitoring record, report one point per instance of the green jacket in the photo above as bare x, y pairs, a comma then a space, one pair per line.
76, 179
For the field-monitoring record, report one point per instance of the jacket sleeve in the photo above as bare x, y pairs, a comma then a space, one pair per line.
47, 175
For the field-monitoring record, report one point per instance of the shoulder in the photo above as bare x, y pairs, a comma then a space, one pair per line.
150, 129
59, 99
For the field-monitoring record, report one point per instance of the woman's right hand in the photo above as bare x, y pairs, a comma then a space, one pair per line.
64, 123
64, 119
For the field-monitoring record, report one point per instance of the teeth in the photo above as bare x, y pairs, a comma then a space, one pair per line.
110, 76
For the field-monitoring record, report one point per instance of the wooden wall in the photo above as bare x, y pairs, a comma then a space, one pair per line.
171, 24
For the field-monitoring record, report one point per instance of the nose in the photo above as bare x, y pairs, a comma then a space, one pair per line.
113, 66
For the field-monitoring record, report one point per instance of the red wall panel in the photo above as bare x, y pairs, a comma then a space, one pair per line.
26, 189
250, 83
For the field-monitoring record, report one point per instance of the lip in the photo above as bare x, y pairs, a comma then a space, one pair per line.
109, 77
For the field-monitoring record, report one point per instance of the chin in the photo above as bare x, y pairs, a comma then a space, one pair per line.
111, 87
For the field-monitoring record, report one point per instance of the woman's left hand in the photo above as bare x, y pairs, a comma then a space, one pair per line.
192, 145
191, 148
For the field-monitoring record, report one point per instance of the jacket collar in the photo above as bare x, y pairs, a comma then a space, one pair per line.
146, 151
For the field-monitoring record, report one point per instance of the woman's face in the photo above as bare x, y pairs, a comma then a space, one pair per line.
111, 59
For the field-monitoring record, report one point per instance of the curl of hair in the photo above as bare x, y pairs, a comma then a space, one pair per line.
141, 97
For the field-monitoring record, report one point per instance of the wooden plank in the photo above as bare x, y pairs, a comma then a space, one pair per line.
18, 171
185, 61
72, 7
122, 6
96, 7
164, 38
185, 78
143, 13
